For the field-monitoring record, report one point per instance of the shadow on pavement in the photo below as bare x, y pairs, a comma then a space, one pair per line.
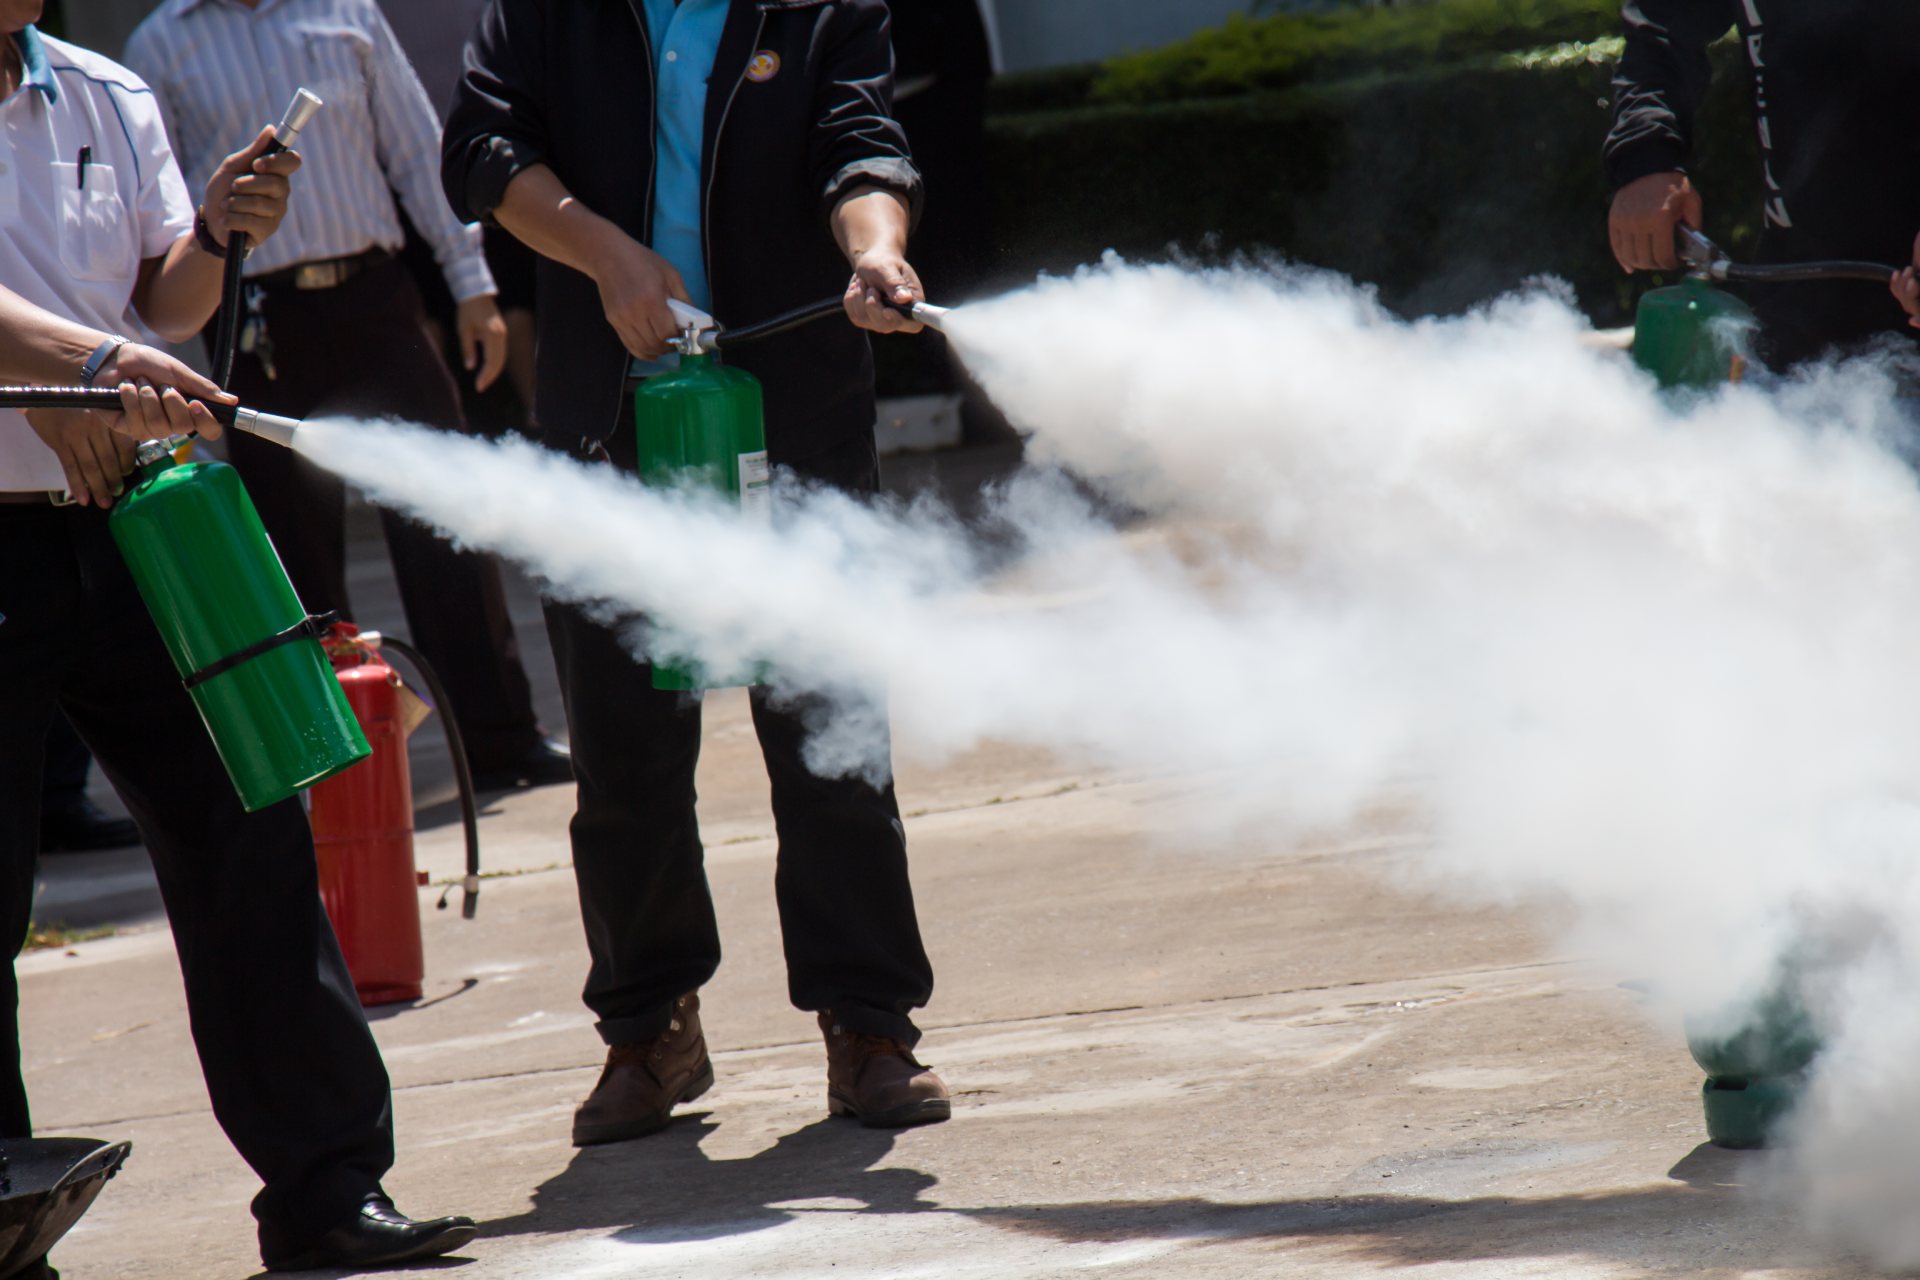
1710, 1201
666, 1189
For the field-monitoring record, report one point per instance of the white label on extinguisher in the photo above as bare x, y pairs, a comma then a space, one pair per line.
756, 486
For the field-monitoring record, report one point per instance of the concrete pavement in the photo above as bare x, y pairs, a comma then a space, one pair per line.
1274, 1060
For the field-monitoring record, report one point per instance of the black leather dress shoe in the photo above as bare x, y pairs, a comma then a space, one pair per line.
379, 1236
547, 764
79, 826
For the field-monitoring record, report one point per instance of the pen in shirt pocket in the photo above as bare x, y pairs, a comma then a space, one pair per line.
86, 158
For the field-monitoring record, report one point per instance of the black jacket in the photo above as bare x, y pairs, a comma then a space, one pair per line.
569, 84
1836, 103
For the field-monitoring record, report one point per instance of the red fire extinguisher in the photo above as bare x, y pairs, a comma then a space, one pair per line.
363, 823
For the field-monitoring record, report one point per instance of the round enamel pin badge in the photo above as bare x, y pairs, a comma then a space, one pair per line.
764, 67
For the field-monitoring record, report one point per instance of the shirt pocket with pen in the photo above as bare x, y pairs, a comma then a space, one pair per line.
96, 235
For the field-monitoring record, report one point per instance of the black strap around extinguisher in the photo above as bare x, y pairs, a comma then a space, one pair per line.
314, 625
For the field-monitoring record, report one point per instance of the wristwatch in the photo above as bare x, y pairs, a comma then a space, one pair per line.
101, 355
203, 234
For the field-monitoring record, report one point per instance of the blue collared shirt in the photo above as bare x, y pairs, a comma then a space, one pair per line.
686, 40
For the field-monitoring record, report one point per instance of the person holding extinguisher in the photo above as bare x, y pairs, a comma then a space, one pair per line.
97, 228
1839, 178
740, 155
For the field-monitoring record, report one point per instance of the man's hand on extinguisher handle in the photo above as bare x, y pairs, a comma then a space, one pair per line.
635, 283
1906, 287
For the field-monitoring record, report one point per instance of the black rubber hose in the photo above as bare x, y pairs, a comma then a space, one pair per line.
791, 320
99, 399
462, 773
1801, 272
778, 324
226, 335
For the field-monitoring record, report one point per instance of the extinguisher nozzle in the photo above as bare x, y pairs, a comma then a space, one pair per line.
268, 426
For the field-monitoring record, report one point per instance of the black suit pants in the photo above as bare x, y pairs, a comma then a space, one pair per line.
847, 919
294, 1075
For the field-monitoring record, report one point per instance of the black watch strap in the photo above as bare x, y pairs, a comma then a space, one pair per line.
101, 355
203, 234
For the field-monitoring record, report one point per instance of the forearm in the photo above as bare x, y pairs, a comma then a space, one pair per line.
543, 215
869, 221
1662, 76
178, 292
37, 346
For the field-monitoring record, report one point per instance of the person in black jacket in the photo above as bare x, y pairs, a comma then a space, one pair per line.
737, 154
1832, 89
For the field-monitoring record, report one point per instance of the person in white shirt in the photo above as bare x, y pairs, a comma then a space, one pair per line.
338, 325
98, 232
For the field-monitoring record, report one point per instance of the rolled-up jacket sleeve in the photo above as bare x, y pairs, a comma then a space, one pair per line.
498, 122
856, 142
1662, 77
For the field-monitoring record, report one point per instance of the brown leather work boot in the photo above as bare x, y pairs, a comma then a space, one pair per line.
643, 1081
878, 1082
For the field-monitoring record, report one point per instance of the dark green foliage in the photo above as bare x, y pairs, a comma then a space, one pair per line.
1249, 54
1442, 187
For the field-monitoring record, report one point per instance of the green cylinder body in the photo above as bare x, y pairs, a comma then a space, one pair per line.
1757, 1074
214, 585
1692, 335
702, 424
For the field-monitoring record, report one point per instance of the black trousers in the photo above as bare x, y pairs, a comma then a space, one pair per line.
847, 921
294, 1075
64, 781
361, 349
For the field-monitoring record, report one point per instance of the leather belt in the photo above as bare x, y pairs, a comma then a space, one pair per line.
30, 497
326, 273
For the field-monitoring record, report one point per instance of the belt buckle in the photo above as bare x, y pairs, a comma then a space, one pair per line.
319, 275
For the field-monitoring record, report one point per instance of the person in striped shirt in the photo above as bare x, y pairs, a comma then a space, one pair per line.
336, 324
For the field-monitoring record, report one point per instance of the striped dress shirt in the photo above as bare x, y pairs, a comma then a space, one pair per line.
221, 70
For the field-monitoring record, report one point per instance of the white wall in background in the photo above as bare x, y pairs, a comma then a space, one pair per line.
1045, 33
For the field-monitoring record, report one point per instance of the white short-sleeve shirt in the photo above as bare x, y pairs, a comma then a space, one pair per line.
88, 190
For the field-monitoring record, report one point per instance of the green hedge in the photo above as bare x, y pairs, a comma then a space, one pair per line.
1442, 187
1250, 54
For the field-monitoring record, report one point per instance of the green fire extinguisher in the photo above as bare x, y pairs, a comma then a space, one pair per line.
246, 649
1694, 335
703, 423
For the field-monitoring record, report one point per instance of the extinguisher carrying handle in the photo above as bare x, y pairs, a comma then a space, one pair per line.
462, 771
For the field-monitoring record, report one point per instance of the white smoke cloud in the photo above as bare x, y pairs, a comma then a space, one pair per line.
1651, 662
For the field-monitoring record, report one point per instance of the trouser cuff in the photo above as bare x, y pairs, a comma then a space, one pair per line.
636, 1028
864, 1019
